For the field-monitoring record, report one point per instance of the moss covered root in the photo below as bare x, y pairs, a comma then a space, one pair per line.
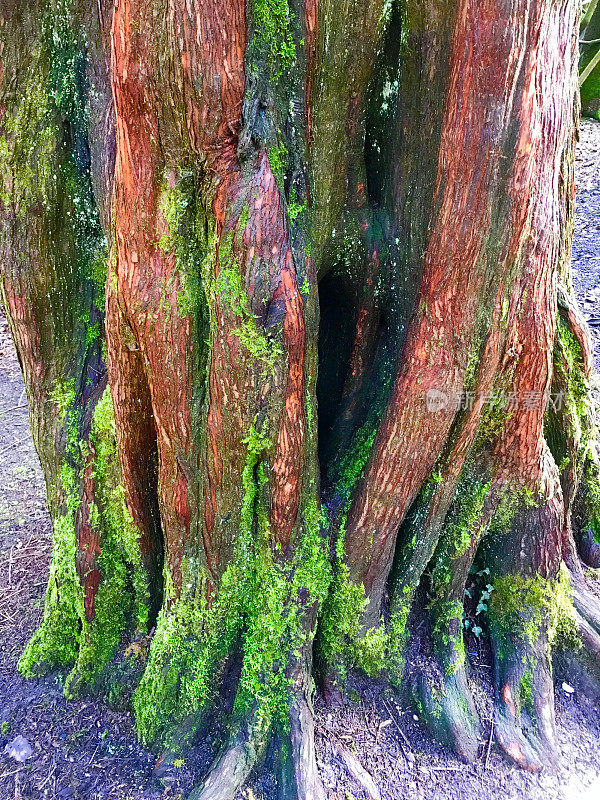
69, 636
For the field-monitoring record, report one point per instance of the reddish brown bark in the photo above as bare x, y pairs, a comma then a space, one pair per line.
471, 188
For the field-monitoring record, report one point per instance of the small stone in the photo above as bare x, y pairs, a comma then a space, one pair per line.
568, 688
19, 749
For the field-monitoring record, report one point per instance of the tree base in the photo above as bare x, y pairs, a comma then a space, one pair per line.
297, 773
447, 707
524, 706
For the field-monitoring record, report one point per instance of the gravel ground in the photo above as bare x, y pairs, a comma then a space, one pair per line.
586, 241
84, 750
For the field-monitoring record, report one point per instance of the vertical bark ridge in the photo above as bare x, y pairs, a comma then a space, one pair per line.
224, 162
435, 355
53, 259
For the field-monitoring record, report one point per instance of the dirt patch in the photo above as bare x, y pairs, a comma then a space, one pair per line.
397, 751
84, 750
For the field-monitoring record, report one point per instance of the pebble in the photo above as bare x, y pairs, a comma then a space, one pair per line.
19, 749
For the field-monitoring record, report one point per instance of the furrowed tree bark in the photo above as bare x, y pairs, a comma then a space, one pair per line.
52, 289
289, 283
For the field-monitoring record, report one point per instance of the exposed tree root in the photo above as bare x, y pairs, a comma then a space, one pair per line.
295, 762
588, 548
590, 640
234, 764
299, 778
585, 653
449, 711
524, 703
586, 603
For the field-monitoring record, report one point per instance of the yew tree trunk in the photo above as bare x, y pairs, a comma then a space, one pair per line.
290, 287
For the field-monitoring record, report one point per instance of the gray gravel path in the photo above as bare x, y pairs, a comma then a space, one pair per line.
586, 242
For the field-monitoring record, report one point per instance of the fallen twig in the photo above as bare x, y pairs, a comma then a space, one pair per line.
14, 444
408, 754
358, 772
489, 747
9, 410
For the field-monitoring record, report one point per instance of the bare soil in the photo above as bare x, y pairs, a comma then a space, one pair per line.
84, 750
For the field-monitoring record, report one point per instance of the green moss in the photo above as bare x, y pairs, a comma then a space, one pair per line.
68, 81
182, 212
449, 646
469, 500
591, 483
296, 210
340, 641
472, 366
122, 537
398, 631
232, 291
572, 369
63, 394
463, 527
339, 624
28, 147
351, 465
260, 601
278, 159
69, 91
184, 651
525, 607
370, 651
491, 425
274, 35
44, 153
56, 641
575, 421
172, 203
511, 503
526, 690
341, 644
65, 636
